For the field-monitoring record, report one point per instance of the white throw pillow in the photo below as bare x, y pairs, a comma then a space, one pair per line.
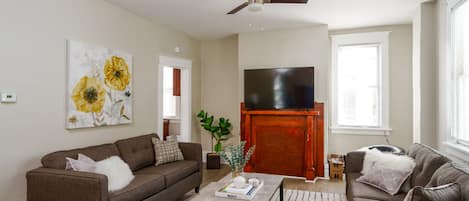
117, 171
385, 178
397, 162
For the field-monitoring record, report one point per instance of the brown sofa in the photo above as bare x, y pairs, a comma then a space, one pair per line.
167, 182
432, 169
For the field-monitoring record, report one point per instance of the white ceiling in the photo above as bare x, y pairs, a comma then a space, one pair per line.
206, 19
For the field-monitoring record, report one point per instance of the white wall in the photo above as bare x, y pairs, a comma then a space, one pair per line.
33, 49
425, 75
220, 84
400, 68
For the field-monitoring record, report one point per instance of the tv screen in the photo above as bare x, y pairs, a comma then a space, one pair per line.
279, 88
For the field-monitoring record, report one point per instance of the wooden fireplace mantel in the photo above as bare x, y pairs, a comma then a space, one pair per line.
288, 142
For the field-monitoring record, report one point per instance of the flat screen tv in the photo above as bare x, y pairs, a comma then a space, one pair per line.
279, 88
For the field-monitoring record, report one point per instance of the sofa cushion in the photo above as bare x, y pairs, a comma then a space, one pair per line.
143, 186
360, 191
137, 151
427, 162
173, 172
448, 192
57, 160
452, 173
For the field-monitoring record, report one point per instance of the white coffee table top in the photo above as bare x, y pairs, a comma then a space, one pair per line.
272, 184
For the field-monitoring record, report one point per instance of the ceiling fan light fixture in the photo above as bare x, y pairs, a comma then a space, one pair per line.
255, 6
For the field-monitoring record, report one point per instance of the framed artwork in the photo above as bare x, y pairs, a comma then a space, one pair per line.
99, 88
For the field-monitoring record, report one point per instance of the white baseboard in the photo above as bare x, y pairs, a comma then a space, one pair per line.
326, 171
204, 156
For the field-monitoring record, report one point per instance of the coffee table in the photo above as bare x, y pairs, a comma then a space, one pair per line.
271, 191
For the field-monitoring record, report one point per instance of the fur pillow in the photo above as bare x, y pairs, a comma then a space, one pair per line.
448, 192
117, 171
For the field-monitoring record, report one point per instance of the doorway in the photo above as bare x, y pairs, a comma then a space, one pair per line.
174, 98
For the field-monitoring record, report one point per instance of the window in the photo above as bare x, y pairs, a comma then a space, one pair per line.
460, 66
171, 103
360, 83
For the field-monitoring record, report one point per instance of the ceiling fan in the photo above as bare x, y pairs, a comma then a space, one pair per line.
256, 5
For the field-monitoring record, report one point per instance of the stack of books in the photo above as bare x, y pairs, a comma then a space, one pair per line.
247, 192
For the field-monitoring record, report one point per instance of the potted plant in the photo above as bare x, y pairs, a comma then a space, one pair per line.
236, 159
220, 131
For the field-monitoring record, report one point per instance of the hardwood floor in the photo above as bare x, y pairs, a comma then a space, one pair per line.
215, 174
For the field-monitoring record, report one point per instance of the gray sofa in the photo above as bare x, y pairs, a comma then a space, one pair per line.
166, 182
432, 169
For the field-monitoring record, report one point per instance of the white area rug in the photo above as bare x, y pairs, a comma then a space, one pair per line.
298, 195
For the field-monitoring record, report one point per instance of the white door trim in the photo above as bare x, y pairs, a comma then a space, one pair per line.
186, 97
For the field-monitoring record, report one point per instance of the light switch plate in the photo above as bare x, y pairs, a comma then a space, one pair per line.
8, 98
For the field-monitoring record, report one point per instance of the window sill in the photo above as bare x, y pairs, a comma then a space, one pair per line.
458, 150
360, 131
173, 119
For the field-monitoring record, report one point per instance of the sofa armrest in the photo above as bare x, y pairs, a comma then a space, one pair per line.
191, 151
59, 185
354, 162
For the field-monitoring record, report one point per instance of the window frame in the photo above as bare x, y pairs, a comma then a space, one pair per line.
453, 141
382, 40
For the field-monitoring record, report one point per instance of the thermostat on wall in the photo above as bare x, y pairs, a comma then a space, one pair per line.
8, 98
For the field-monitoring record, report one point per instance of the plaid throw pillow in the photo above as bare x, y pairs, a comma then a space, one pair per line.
167, 151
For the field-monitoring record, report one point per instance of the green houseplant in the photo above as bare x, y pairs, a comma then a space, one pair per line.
220, 131
235, 157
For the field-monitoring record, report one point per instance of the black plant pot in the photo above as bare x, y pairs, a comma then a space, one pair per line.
213, 161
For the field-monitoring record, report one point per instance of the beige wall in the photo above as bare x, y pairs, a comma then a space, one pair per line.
219, 94
444, 110
400, 69
33, 65
288, 48
425, 75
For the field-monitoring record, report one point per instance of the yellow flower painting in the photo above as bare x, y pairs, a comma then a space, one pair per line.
99, 86
116, 73
89, 95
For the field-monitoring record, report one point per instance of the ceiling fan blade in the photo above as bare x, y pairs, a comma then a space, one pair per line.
237, 9
286, 1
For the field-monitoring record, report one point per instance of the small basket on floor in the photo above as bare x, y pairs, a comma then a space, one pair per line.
336, 166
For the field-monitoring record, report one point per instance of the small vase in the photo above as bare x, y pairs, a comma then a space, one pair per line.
236, 173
